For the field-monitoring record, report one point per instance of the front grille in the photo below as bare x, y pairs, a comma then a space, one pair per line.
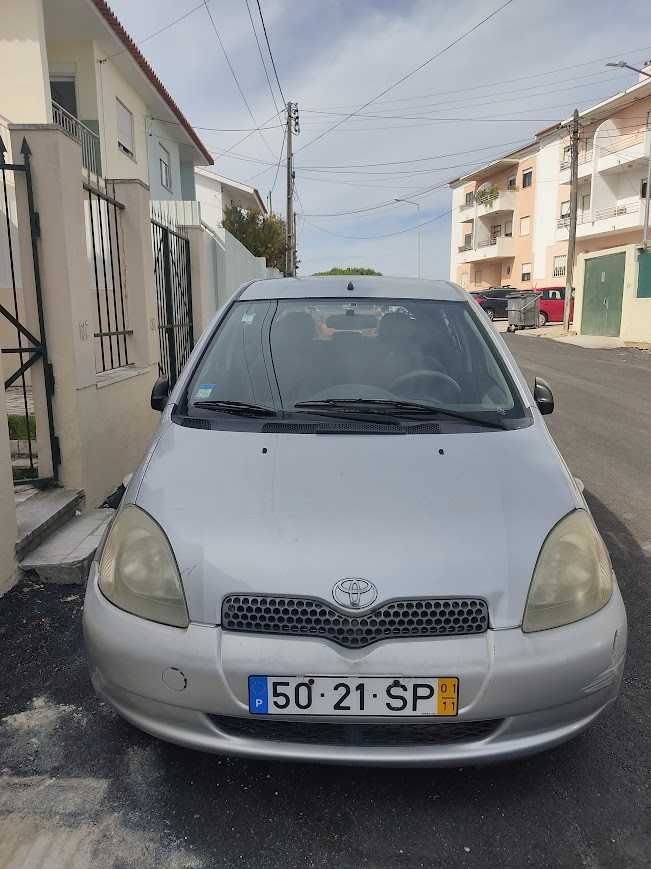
388, 734
309, 617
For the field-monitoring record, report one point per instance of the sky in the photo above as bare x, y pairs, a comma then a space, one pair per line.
482, 97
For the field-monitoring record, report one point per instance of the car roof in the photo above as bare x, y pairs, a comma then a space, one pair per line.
363, 287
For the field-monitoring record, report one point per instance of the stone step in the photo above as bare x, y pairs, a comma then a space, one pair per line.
39, 512
66, 555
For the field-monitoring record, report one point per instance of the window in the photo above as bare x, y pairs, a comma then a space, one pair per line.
467, 241
527, 178
643, 188
524, 226
511, 183
560, 265
235, 366
478, 276
565, 208
125, 129
567, 153
469, 198
463, 280
496, 230
63, 91
507, 271
165, 174
508, 228
585, 203
526, 271
589, 145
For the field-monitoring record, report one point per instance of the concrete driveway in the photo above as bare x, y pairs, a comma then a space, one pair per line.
78, 787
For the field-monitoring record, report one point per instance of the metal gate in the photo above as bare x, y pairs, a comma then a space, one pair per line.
603, 288
22, 347
173, 296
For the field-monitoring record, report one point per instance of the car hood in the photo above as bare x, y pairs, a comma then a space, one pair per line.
418, 515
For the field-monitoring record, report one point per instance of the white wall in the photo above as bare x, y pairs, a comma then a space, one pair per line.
457, 199
158, 137
24, 78
545, 211
209, 194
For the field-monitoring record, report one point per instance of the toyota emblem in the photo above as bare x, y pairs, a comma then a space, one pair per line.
354, 593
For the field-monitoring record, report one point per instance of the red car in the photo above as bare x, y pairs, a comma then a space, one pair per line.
552, 303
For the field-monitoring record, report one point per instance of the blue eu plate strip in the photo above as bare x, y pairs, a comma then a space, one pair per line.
258, 697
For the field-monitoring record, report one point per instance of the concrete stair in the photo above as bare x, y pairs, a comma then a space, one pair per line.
56, 540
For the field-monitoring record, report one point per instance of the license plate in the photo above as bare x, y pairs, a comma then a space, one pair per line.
352, 695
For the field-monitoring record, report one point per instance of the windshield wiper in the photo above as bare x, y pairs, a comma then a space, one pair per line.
243, 408
401, 407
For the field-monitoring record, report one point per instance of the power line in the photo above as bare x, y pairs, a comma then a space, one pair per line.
513, 96
273, 62
382, 235
264, 65
551, 71
236, 80
280, 160
408, 75
160, 30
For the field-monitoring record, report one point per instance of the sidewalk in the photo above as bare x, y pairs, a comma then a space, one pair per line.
591, 342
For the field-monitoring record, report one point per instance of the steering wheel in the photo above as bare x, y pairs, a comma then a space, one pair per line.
422, 381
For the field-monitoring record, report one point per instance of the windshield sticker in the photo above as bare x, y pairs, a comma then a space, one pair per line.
204, 390
248, 318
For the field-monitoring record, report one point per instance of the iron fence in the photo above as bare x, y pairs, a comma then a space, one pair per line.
171, 249
103, 240
25, 347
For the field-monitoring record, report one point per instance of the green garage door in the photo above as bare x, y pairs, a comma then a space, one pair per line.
603, 287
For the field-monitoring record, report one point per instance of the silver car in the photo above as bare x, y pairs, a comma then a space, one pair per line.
354, 540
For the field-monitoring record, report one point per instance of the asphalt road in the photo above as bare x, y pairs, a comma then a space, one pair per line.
80, 787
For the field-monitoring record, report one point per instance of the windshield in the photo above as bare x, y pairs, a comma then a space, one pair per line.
281, 354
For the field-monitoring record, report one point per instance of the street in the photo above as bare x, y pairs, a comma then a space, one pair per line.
80, 787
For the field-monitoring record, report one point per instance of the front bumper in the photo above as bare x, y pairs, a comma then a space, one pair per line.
544, 688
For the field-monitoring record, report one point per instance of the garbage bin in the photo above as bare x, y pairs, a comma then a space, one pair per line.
523, 310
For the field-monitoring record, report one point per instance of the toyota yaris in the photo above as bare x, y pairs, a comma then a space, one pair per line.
355, 542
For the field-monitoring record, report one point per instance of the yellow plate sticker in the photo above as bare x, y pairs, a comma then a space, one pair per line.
447, 699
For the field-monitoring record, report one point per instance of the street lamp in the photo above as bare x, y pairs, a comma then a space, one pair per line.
621, 64
417, 204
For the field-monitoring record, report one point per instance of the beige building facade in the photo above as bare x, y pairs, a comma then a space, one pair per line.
510, 218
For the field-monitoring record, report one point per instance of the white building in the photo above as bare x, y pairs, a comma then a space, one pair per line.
71, 63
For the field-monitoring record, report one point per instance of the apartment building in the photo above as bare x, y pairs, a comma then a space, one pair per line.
510, 218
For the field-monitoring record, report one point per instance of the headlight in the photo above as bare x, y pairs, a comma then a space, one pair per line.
138, 572
573, 576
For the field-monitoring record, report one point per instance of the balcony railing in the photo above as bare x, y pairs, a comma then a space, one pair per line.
89, 141
487, 242
616, 211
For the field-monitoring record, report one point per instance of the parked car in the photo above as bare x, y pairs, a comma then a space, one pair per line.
494, 300
316, 561
552, 304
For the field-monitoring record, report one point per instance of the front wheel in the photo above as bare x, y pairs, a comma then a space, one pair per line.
542, 319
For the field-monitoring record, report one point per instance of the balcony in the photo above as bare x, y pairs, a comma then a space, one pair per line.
619, 151
88, 140
603, 221
504, 201
584, 167
502, 247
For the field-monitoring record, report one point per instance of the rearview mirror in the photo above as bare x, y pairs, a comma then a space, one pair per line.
160, 393
543, 396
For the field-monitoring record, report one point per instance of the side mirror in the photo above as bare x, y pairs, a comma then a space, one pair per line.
160, 393
543, 396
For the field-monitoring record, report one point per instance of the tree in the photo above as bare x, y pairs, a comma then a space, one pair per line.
350, 270
262, 234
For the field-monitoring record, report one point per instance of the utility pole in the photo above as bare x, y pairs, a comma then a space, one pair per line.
571, 243
290, 236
